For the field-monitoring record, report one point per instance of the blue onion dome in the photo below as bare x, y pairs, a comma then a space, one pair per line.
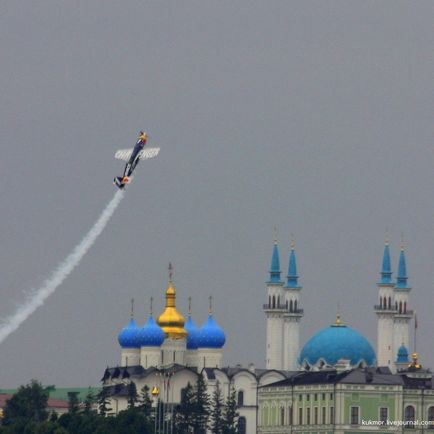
211, 335
129, 337
335, 343
193, 334
151, 334
402, 356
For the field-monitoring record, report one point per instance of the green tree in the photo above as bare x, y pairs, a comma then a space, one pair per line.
132, 395
230, 414
89, 401
216, 411
103, 402
184, 412
73, 402
201, 407
28, 404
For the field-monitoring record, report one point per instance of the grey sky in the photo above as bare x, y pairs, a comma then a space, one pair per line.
313, 116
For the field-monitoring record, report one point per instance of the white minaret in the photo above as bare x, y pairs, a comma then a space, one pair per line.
275, 311
292, 316
403, 315
385, 310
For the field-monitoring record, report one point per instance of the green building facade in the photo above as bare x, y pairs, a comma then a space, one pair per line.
358, 400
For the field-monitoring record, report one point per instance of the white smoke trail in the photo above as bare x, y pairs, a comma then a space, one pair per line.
38, 297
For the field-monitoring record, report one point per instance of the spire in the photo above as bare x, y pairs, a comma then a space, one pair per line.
401, 278
292, 281
386, 271
275, 263
132, 308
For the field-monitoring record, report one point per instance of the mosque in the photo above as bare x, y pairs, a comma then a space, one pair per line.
167, 353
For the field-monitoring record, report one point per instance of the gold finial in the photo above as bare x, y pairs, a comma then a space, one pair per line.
338, 320
155, 391
170, 272
189, 306
210, 305
275, 234
292, 245
402, 246
132, 308
150, 310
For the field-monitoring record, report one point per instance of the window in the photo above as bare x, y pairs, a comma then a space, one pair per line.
295, 306
431, 417
242, 425
300, 416
307, 397
409, 416
282, 416
331, 395
315, 397
300, 397
354, 416
274, 301
290, 306
240, 398
308, 415
315, 416
323, 415
383, 414
289, 415
323, 397
400, 307
332, 415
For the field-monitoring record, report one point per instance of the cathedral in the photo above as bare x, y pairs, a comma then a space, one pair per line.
169, 352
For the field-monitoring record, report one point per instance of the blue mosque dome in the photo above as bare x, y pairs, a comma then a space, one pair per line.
210, 335
335, 343
193, 334
151, 334
129, 337
402, 356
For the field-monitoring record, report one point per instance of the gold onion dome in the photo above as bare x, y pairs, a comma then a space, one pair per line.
171, 321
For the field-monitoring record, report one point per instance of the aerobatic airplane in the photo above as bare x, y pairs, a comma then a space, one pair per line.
132, 157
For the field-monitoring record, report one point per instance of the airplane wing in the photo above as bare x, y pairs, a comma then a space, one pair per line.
148, 153
124, 154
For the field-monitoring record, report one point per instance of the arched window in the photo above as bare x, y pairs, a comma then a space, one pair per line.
381, 303
286, 304
431, 417
390, 303
269, 301
282, 416
400, 307
396, 305
240, 398
409, 415
242, 425
290, 306
295, 306
289, 415
274, 301
405, 307
384, 302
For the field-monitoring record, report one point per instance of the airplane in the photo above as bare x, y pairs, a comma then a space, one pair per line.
132, 157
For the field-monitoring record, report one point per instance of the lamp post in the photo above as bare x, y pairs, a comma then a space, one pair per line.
155, 392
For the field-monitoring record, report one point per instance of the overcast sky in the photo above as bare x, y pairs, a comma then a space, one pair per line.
312, 116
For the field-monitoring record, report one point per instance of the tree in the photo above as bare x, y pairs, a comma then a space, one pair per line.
103, 402
89, 401
216, 411
184, 412
28, 404
230, 414
73, 402
201, 407
132, 394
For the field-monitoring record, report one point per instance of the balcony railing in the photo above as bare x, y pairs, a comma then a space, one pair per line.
283, 307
